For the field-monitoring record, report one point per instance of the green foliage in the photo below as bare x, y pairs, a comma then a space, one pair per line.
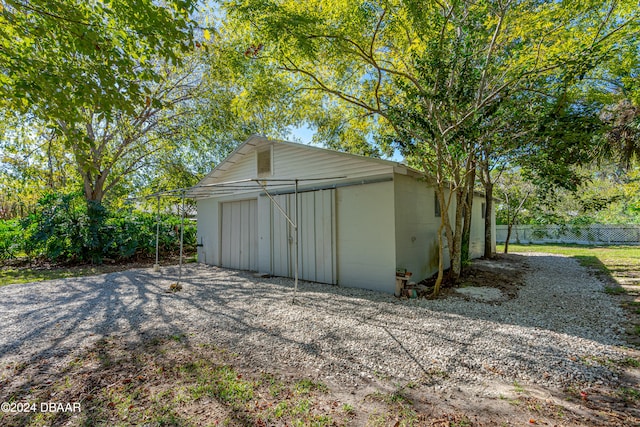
10, 233
67, 228
605, 195
60, 57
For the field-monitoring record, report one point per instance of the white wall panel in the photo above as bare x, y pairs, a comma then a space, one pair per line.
365, 221
239, 235
416, 227
316, 232
208, 231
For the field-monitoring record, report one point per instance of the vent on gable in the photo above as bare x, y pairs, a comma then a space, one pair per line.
264, 162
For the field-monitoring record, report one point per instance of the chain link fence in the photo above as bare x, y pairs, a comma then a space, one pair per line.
585, 235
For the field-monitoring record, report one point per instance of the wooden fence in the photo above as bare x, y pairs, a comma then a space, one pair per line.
584, 235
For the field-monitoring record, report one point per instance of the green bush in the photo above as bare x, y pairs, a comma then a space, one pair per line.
11, 242
67, 228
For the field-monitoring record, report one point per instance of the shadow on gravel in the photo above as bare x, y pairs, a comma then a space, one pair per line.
351, 330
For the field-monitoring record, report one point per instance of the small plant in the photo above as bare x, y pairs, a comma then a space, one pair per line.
306, 386
631, 362
517, 387
349, 409
629, 394
376, 419
303, 407
177, 337
280, 410
465, 422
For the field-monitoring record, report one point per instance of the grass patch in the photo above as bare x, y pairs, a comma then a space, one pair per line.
629, 394
615, 261
349, 409
399, 409
10, 276
517, 387
614, 290
630, 362
306, 386
167, 382
20, 271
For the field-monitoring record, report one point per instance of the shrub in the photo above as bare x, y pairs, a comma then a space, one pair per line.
67, 228
10, 239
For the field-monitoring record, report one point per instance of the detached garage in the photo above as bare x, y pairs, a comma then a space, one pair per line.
359, 219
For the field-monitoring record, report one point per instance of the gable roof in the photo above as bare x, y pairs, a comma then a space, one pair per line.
212, 180
254, 140
224, 176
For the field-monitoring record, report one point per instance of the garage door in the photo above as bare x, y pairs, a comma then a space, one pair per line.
239, 242
316, 221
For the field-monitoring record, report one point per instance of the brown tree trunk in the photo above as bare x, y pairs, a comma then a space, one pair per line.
436, 287
456, 246
506, 242
488, 223
468, 210
93, 189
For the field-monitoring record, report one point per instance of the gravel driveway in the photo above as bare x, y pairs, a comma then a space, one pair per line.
560, 330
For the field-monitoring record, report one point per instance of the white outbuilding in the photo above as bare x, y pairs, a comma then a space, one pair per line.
359, 219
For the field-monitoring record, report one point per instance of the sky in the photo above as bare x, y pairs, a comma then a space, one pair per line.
305, 135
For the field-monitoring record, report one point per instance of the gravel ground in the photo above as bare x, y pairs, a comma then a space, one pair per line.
561, 330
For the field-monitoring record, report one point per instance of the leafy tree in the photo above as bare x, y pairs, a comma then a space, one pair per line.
99, 76
108, 148
31, 163
516, 194
61, 57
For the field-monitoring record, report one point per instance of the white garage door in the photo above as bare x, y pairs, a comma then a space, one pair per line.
316, 222
239, 241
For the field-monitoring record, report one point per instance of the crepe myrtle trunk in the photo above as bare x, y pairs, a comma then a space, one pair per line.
506, 242
466, 230
488, 223
456, 246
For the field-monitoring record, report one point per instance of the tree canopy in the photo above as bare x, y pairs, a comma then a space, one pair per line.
60, 57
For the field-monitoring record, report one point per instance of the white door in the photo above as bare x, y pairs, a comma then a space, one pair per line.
316, 224
239, 235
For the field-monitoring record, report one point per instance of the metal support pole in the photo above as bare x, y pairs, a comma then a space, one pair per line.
156, 266
295, 227
181, 239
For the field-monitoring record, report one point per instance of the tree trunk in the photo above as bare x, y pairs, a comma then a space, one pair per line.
436, 287
468, 209
93, 189
455, 250
488, 223
506, 242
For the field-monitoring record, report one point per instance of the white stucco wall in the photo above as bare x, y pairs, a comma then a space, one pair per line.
416, 227
264, 234
208, 231
365, 221
476, 241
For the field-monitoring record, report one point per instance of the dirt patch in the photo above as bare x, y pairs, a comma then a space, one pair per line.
504, 272
485, 294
